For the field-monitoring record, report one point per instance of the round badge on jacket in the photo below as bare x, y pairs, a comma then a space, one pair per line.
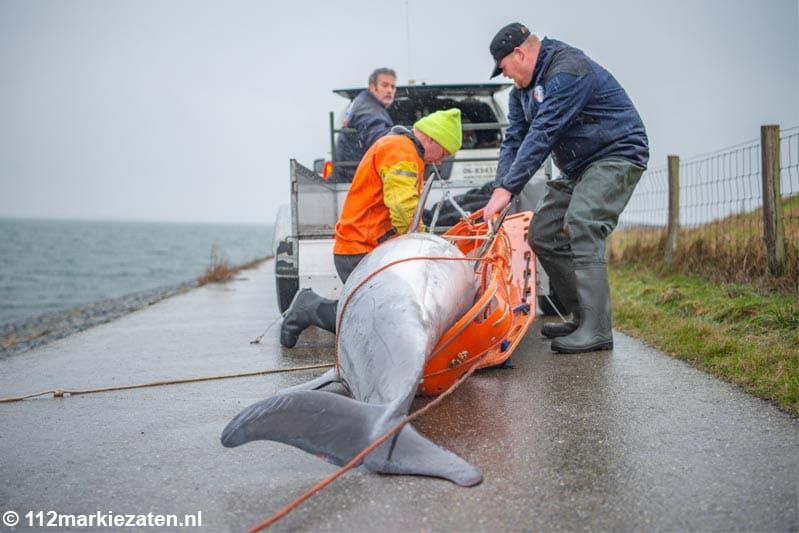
538, 93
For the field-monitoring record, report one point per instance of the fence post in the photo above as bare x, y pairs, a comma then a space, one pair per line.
773, 228
674, 208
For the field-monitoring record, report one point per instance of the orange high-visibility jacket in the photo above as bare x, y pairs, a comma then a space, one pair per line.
383, 197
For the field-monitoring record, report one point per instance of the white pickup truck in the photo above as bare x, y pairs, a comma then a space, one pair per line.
304, 229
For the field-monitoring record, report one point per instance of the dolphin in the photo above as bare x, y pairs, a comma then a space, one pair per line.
387, 331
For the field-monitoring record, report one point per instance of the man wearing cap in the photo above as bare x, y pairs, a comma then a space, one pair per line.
379, 205
566, 104
368, 115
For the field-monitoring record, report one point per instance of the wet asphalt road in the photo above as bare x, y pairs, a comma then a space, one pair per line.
628, 440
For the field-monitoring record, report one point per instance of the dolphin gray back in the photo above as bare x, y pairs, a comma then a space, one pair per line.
392, 322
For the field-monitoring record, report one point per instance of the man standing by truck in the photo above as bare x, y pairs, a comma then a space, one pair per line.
379, 205
367, 114
566, 104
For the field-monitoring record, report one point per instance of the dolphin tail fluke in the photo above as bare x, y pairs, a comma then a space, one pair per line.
338, 428
414, 454
318, 422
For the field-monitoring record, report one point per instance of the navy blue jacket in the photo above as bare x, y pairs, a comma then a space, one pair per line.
369, 117
574, 109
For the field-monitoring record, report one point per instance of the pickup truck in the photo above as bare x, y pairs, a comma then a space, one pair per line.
304, 229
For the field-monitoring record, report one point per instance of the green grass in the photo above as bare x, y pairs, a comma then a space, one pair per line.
732, 331
731, 249
716, 306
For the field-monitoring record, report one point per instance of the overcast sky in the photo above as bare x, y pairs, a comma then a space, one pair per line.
190, 110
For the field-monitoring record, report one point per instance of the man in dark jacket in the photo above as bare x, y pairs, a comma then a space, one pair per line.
367, 114
566, 104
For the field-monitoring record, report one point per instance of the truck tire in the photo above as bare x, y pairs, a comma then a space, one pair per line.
286, 289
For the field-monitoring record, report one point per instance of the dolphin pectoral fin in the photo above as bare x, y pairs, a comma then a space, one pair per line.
318, 422
414, 454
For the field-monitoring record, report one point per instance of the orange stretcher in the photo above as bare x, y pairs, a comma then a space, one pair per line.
489, 332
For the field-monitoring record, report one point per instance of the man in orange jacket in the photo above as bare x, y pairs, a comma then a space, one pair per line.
380, 204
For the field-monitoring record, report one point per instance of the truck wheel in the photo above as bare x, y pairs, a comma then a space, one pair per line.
546, 307
286, 289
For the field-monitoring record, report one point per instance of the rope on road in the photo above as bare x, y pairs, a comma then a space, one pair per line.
257, 339
61, 393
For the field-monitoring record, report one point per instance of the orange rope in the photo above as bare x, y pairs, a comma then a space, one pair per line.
396, 428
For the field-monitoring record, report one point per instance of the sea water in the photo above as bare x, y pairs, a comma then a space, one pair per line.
53, 265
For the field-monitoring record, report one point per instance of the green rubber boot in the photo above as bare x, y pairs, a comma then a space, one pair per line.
552, 330
561, 278
594, 332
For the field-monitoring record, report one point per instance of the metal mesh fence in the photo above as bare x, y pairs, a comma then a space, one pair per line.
720, 210
789, 174
719, 196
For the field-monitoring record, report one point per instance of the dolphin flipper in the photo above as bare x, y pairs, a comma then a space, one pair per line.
318, 422
415, 454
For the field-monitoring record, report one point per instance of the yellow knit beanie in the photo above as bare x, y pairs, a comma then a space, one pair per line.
444, 127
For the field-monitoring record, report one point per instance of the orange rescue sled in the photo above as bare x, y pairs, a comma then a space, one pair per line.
489, 332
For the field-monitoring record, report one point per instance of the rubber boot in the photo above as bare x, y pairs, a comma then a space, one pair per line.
561, 278
552, 330
307, 309
594, 331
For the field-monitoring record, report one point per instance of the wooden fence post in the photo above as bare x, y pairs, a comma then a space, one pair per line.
773, 225
674, 208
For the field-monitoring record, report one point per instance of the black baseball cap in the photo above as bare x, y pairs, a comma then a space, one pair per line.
505, 41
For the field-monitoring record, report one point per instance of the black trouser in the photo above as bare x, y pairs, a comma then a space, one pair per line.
345, 264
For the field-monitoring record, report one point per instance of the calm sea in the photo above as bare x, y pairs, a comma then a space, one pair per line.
48, 265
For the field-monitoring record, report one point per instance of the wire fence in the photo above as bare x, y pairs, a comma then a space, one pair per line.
721, 215
789, 172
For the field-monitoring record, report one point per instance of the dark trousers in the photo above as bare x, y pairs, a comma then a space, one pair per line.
578, 214
345, 264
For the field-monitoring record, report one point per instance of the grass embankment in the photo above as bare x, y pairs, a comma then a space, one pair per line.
220, 270
716, 307
731, 249
728, 330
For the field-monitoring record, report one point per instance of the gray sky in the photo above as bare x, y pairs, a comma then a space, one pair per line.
190, 110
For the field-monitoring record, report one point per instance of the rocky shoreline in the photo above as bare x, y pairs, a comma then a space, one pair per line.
25, 335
